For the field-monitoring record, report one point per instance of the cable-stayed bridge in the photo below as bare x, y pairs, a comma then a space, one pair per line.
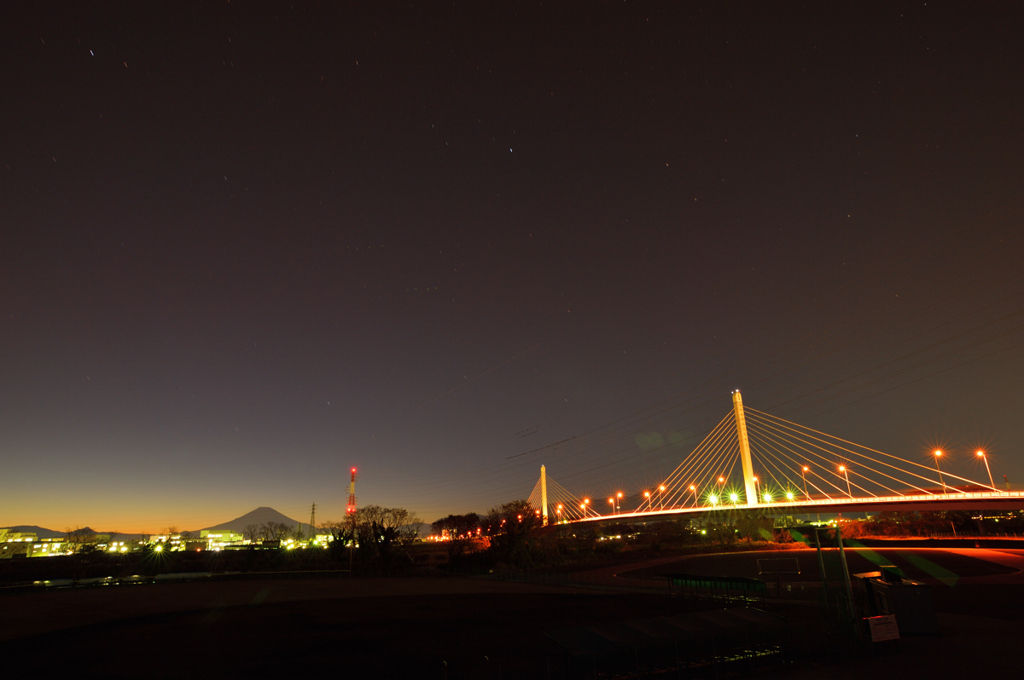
755, 461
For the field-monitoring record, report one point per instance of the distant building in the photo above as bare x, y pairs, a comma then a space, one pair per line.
16, 543
48, 547
218, 539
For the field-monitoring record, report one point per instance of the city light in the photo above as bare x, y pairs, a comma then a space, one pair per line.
981, 454
938, 455
846, 474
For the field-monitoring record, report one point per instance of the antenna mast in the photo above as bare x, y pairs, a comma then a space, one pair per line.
352, 494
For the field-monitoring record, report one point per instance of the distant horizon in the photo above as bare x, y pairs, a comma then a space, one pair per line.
151, 533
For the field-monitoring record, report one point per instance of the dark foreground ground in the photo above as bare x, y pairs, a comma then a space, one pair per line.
978, 596
471, 628
360, 628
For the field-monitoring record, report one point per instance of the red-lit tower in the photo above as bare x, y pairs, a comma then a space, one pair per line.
352, 494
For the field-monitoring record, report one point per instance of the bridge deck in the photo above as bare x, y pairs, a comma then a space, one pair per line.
955, 500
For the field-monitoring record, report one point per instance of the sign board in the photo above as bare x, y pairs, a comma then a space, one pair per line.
883, 628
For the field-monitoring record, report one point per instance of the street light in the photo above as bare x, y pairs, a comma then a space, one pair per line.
612, 501
647, 497
938, 454
713, 499
846, 473
693, 488
618, 501
803, 473
662, 490
981, 454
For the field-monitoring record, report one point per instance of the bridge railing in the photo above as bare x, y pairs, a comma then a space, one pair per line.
822, 502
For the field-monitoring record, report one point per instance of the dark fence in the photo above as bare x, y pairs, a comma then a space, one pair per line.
727, 588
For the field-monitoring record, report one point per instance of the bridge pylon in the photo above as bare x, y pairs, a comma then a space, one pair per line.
741, 433
544, 495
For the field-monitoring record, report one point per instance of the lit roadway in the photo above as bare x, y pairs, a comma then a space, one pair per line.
988, 500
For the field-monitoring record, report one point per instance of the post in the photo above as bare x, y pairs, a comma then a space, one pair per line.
846, 571
350, 510
821, 566
741, 432
544, 496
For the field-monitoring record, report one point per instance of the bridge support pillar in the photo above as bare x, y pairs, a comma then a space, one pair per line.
748, 467
544, 495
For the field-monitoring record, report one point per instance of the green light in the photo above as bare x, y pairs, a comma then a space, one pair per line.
789, 495
767, 498
734, 497
713, 499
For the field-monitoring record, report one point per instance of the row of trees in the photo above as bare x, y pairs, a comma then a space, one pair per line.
922, 524
272, 531
373, 533
508, 530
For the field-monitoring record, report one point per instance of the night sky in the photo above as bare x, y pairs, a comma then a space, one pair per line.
246, 246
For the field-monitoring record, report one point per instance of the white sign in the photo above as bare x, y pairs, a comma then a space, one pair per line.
883, 628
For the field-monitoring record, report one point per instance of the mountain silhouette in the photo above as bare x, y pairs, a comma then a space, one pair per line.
259, 517
40, 532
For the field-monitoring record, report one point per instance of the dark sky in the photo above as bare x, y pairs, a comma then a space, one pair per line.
246, 246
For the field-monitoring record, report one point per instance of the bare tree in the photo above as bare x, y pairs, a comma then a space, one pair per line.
79, 539
274, 531
459, 532
378, 530
410, 530
252, 532
339, 531
511, 527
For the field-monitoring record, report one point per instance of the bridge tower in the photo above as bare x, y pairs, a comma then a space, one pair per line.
351, 508
544, 495
741, 432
